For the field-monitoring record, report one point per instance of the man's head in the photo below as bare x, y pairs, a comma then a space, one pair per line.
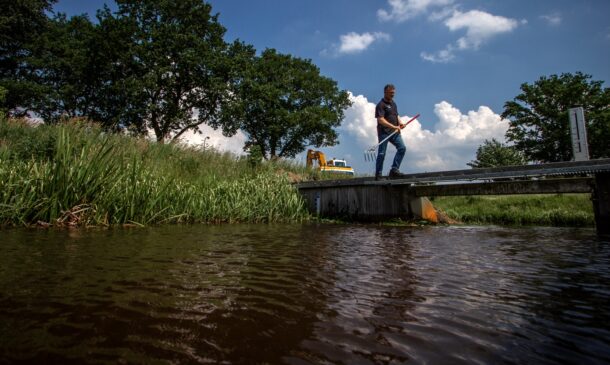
388, 92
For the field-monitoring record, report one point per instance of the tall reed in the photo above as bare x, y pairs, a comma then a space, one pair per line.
91, 178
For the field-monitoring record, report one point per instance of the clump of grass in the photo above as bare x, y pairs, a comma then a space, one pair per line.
574, 210
19, 141
79, 175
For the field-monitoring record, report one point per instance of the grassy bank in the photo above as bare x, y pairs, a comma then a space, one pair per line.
569, 210
76, 175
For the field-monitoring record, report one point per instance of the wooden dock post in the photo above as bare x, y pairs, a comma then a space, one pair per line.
601, 203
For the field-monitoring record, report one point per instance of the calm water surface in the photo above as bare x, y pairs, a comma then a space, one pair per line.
305, 294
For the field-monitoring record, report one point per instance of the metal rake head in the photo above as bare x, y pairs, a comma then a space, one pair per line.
370, 155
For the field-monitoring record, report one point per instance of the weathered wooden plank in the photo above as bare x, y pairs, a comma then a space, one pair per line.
544, 186
525, 170
363, 203
549, 169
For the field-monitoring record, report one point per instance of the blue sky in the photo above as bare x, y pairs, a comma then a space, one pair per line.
455, 62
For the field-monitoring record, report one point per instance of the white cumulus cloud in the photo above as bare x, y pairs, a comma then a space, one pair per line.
447, 143
360, 120
401, 10
353, 42
480, 27
443, 56
211, 138
454, 139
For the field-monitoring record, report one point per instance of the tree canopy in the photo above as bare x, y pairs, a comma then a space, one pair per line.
495, 154
539, 121
65, 62
21, 23
174, 69
162, 66
283, 104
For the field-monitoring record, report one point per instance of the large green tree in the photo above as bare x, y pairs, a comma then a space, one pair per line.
66, 65
495, 154
174, 71
284, 104
539, 121
21, 23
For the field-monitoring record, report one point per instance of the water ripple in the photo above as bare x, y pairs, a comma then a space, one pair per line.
295, 294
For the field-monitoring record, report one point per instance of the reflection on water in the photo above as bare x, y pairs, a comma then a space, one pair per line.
301, 294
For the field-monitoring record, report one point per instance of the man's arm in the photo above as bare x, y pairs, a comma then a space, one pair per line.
385, 123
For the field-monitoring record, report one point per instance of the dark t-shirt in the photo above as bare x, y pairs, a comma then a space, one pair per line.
387, 110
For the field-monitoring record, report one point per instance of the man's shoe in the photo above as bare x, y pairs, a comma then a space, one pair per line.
379, 178
396, 174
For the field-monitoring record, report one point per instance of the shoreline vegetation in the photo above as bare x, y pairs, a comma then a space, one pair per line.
557, 210
75, 175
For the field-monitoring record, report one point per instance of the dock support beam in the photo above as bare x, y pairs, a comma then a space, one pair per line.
601, 203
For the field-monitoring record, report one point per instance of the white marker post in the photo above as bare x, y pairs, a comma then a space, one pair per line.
578, 130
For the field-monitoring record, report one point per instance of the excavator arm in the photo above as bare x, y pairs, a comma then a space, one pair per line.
315, 156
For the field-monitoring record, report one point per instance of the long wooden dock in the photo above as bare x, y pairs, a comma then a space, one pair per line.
364, 199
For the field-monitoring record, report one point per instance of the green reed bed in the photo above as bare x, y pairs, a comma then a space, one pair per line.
78, 175
569, 210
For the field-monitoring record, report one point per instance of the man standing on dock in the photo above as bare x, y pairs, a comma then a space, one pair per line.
389, 122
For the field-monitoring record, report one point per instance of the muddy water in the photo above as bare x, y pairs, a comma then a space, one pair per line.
300, 294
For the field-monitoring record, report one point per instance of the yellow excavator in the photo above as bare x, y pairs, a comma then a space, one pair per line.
334, 165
